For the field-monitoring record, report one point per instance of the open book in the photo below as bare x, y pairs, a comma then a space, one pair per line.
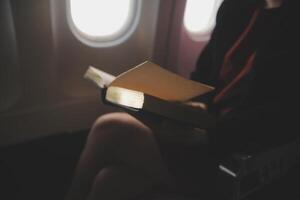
150, 88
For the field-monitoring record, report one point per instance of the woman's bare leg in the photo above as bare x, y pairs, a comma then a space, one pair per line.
120, 160
118, 183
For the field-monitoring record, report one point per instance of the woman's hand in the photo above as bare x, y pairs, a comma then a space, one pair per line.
169, 130
196, 105
173, 131
176, 131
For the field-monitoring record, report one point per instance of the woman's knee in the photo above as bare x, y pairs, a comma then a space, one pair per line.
120, 126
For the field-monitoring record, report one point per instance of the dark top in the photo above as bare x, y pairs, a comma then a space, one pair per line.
266, 108
235, 75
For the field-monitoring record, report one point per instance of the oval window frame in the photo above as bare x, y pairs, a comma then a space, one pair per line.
112, 40
204, 34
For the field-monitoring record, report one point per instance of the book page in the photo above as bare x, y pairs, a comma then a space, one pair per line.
100, 78
156, 81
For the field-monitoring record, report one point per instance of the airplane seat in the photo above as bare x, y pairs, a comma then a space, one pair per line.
245, 173
242, 174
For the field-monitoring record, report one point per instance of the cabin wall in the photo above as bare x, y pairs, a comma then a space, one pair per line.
43, 91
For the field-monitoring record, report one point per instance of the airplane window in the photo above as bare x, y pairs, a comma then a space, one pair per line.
102, 22
199, 18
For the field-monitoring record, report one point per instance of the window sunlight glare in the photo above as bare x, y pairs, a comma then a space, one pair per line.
100, 18
199, 15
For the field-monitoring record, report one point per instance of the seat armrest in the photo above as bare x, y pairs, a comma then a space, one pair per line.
242, 174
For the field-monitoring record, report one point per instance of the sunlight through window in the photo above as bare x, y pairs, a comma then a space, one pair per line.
199, 16
101, 20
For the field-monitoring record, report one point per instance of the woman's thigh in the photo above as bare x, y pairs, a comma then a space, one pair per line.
189, 165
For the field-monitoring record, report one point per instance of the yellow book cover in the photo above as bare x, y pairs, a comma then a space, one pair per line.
151, 88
